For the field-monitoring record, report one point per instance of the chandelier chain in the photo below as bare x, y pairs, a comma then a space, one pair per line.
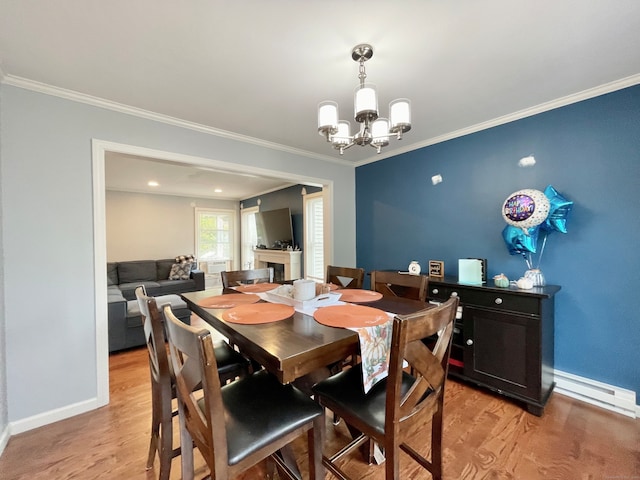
362, 74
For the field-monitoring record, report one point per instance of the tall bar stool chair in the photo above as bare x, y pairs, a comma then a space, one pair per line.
400, 285
233, 278
232, 365
242, 423
345, 277
396, 406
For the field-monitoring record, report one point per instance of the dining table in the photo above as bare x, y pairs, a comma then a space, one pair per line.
297, 345
294, 346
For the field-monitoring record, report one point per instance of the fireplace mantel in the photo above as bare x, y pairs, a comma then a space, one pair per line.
290, 260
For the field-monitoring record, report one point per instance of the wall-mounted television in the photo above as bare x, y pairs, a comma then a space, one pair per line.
274, 229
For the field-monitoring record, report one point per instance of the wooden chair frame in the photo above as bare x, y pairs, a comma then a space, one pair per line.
162, 386
163, 390
408, 408
335, 275
233, 278
193, 360
400, 285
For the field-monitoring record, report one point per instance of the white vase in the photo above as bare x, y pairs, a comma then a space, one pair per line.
536, 277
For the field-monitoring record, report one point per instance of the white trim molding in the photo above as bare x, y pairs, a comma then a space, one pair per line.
4, 438
597, 393
52, 416
74, 96
512, 117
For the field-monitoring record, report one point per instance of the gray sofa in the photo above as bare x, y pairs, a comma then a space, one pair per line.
125, 321
154, 275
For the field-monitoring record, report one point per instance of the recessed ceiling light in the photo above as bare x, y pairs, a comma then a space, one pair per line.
153, 183
217, 190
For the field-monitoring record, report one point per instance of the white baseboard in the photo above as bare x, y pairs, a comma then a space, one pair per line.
4, 439
52, 416
596, 393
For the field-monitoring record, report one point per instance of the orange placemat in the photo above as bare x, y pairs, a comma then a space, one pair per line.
256, 287
255, 313
357, 295
229, 300
350, 316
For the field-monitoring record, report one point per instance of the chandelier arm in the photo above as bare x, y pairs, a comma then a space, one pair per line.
342, 148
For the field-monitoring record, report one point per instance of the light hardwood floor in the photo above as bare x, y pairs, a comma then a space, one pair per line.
485, 437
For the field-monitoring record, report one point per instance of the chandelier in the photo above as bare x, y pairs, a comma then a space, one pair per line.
373, 131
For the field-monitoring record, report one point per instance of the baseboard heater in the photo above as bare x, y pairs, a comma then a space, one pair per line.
599, 394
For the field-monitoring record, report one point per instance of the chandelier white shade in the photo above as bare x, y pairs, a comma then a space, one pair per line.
373, 131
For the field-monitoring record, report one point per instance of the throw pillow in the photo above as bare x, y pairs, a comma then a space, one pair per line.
180, 271
185, 259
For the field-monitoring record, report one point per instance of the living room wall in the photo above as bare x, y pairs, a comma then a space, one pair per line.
287, 197
47, 186
149, 227
590, 152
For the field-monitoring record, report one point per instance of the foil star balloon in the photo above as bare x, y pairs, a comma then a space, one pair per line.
559, 208
519, 241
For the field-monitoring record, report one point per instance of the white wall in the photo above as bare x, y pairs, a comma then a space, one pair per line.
150, 227
4, 410
47, 221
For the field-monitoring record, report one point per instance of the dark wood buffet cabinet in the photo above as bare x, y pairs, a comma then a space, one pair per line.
503, 338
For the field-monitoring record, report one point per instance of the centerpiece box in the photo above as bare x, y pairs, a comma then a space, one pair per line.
284, 294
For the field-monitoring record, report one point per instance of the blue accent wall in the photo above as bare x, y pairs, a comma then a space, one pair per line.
590, 152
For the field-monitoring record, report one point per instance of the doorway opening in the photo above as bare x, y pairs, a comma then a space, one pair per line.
99, 151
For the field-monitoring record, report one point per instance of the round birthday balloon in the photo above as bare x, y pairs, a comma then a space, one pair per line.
525, 208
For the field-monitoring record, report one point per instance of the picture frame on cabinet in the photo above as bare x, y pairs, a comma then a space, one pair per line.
436, 268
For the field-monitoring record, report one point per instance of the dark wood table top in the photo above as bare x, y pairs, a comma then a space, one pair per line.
295, 346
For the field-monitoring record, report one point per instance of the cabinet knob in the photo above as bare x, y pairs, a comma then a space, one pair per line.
469, 342
434, 291
454, 294
498, 301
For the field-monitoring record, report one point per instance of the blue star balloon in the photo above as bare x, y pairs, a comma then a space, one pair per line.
559, 208
518, 242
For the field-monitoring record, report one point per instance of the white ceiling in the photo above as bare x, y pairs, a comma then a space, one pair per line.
258, 69
130, 173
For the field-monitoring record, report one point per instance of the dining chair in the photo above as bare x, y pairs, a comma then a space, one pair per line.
398, 406
241, 277
345, 277
232, 365
400, 284
241, 423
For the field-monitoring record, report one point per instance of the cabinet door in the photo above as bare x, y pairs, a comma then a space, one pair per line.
502, 350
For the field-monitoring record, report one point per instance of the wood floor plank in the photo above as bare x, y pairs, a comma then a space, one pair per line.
485, 437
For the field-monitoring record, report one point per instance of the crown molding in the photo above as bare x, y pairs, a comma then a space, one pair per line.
72, 95
527, 112
138, 112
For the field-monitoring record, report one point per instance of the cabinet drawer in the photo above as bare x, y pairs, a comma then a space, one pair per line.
440, 292
501, 301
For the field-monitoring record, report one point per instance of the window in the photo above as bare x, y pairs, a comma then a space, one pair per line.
313, 205
248, 236
215, 234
